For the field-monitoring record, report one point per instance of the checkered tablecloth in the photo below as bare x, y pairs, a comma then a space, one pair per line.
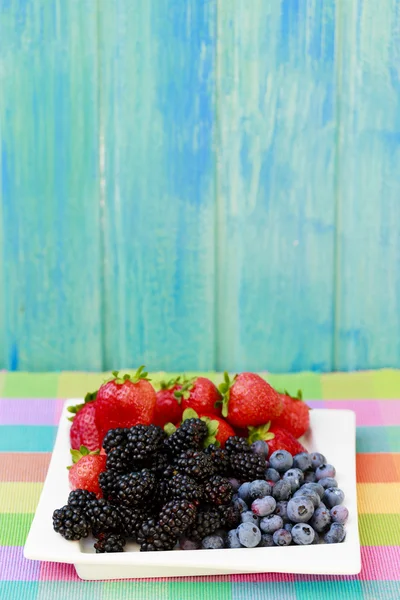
30, 407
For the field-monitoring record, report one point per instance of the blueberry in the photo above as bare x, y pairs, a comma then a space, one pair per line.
249, 535
302, 461
320, 520
282, 490
282, 537
185, 544
315, 487
316, 539
260, 447
317, 459
325, 470
232, 540
310, 477
249, 517
303, 534
313, 496
281, 509
332, 497
288, 526
336, 534
328, 482
235, 484
300, 509
266, 541
292, 476
259, 489
240, 505
339, 514
213, 542
243, 492
271, 523
281, 460
264, 506
272, 475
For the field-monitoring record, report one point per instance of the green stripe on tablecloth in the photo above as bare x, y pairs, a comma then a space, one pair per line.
27, 438
30, 385
387, 383
379, 530
14, 528
309, 383
2, 380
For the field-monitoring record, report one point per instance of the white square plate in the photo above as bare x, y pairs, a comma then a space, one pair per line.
332, 432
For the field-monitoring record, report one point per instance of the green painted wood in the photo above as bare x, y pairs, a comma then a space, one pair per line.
276, 185
368, 220
50, 296
157, 115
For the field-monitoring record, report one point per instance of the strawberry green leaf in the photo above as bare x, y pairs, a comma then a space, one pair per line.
260, 433
76, 455
184, 392
83, 451
189, 413
167, 385
212, 431
169, 428
90, 397
224, 389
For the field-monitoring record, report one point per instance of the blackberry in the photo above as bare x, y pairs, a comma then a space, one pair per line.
248, 466
153, 538
80, 498
218, 490
195, 464
177, 516
110, 543
207, 522
183, 487
161, 493
230, 515
220, 458
158, 464
115, 438
70, 522
236, 444
103, 517
145, 441
107, 480
131, 519
190, 434
134, 489
119, 459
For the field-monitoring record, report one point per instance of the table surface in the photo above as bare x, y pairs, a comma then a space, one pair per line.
30, 405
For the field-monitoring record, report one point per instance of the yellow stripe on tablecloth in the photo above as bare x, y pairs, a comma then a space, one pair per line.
378, 498
18, 497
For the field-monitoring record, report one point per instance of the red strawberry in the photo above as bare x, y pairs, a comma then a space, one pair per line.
249, 400
277, 438
218, 429
200, 394
168, 406
124, 402
295, 416
84, 473
83, 430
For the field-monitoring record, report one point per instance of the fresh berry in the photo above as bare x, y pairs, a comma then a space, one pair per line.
183, 487
282, 490
152, 538
324, 471
236, 444
112, 542
263, 507
321, 519
235, 484
302, 534
249, 517
115, 438
168, 407
124, 402
332, 497
316, 539
267, 541
272, 475
240, 504
248, 400
293, 477
83, 430
249, 535
281, 460
119, 459
190, 435
84, 473
157, 464
102, 516
134, 489
80, 498
271, 523
244, 492
246, 465
317, 459
295, 416
131, 519
281, 510
310, 494
288, 526
339, 514
230, 515
186, 544
195, 464
335, 535
208, 520
218, 490
315, 487
282, 537
302, 461
259, 489
177, 516
310, 477
70, 522
260, 447
277, 439
233, 539
328, 482
107, 480
219, 431
213, 542
220, 459
144, 441
201, 395
300, 509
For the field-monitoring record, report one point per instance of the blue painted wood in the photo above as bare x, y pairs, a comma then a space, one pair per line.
157, 115
276, 187
50, 293
368, 220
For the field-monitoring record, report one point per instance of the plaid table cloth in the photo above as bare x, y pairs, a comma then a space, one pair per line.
30, 406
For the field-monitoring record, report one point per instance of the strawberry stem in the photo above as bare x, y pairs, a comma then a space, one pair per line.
83, 451
184, 392
225, 388
135, 378
260, 433
167, 385
90, 397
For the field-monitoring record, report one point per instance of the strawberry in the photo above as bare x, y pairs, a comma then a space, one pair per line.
168, 406
83, 430
124, 402
295, 416
277, 438
218, 429
249, 400
85, 471
200, 394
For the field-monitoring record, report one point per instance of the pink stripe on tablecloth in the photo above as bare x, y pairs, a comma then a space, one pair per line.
14, 567
368, 412
30, 411
390, 411
57, 572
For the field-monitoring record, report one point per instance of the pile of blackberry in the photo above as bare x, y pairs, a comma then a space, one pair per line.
161, 491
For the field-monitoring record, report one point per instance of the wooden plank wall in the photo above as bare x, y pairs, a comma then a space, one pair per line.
199, 185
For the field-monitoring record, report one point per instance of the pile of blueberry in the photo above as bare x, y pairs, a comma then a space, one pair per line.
299, 502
